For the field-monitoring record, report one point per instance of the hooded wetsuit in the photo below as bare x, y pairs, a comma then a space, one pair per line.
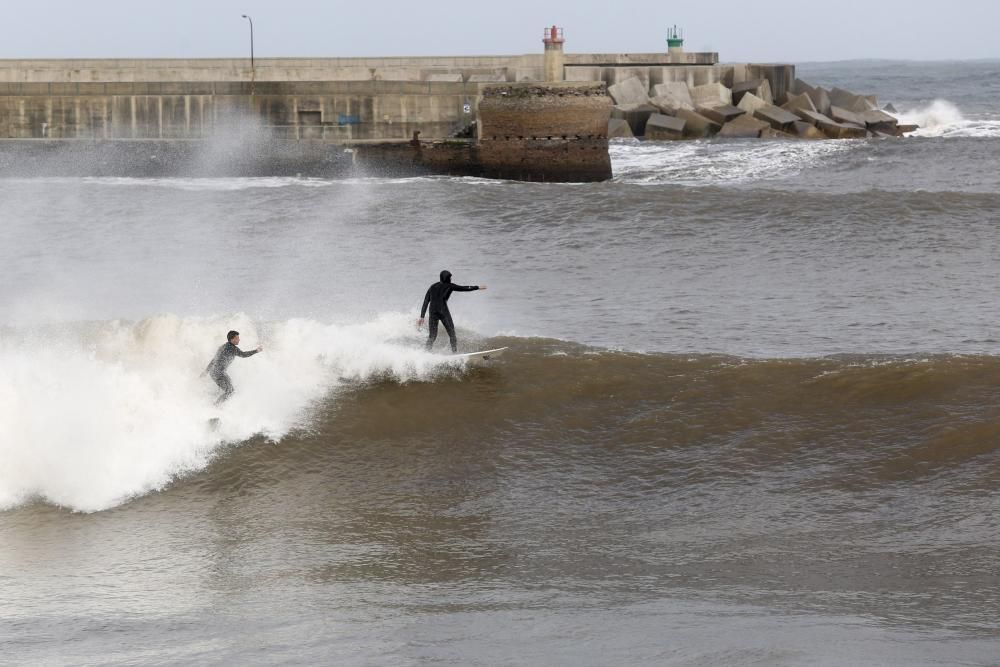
216, 368
437, 301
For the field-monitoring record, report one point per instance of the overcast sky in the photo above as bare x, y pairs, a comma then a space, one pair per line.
792, 31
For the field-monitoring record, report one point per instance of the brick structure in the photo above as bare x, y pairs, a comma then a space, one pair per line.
545, 132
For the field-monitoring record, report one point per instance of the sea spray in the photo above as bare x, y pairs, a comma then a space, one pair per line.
942, 118
92, 415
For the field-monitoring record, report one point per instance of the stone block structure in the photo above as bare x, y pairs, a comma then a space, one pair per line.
541, 132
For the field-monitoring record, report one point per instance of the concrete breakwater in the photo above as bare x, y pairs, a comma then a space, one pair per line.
531, 117
753, 108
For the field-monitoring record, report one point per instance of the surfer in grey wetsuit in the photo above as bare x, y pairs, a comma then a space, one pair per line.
436, 300
216, 368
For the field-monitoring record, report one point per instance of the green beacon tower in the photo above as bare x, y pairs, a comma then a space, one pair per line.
675, 44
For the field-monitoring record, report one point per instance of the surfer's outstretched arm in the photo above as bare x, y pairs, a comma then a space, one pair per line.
467, 288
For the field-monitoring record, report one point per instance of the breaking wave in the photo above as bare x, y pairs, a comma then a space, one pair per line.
94, 414
941, 118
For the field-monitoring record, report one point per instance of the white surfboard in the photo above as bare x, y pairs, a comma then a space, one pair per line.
482, 355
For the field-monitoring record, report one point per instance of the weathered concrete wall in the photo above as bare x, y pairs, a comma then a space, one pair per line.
529, 67
266, 69
333, 111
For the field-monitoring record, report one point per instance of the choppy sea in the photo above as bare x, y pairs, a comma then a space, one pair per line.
750, 413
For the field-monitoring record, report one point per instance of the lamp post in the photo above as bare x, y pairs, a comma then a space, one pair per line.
253, 73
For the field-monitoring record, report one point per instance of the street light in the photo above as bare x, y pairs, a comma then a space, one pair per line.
253, 74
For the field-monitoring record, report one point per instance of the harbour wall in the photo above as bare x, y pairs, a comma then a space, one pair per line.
389, 109
337, 100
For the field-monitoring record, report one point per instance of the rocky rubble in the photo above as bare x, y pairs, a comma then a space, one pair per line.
673, 110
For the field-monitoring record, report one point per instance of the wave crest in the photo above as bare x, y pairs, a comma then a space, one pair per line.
94, 414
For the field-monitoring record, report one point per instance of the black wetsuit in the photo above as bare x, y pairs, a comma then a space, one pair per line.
216, 368
437, 300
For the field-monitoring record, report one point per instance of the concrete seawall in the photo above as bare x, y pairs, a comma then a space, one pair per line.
333, 111
558, 134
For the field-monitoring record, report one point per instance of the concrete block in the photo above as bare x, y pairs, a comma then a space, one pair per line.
673, 95
820, 98
906, 129
742, 88
711, 95
842, 98
765, 92
845, 99
630, 91
806, 130
776, 117
618, 128
861, 105
846, 131
721, 115
800, 101
800, 87
665, 128
668, 105
844, 116
761, 88
636, 115
742, 127
813, 117
888, 108
877, 118
750, 103
831, 127
697, 126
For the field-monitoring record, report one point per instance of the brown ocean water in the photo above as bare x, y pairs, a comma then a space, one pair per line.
750, 413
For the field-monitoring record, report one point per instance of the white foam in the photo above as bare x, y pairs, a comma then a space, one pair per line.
93, 415
941, 118
717, 162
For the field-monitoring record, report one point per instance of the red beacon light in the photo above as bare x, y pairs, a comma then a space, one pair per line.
553, 35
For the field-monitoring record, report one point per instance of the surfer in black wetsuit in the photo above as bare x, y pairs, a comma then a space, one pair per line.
216, 368
436, 300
